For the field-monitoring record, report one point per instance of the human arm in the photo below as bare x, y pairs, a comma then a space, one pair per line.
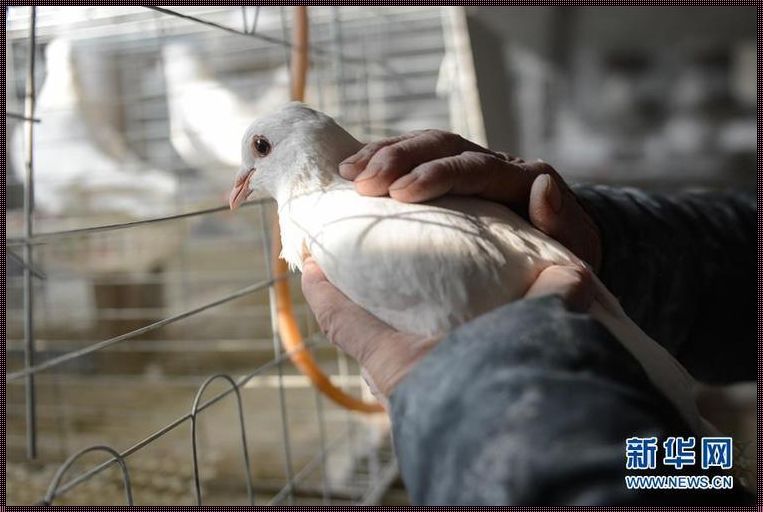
531, 404
683, 267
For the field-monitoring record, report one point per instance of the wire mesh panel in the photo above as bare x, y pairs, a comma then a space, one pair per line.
143, 363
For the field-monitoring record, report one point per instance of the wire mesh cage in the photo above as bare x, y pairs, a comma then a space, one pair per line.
144, 362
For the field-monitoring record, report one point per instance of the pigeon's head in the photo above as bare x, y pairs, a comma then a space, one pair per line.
290, 147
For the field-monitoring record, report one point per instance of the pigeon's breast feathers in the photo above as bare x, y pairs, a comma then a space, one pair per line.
291, 151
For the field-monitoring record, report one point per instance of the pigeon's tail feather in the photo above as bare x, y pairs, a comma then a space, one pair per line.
662, 369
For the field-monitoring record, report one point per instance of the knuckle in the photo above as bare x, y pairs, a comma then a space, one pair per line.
374, 147
435, 132
472, 155
390, 152
481, 167
390, 157
478, 158
444, 137
433, 171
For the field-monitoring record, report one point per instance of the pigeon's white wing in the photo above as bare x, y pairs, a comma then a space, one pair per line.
424, 268
665, 372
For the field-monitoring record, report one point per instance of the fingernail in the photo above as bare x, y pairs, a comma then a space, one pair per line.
347, 168
553, 194
346, 171
350, 159
403, 182
368, 173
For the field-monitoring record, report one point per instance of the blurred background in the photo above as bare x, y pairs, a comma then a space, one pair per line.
654, 97
138, 115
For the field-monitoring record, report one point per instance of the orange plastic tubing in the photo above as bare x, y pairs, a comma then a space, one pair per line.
291, 338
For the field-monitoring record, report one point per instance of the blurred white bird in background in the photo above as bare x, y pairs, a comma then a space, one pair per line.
422, 268
206, 117
73, 175
85, 175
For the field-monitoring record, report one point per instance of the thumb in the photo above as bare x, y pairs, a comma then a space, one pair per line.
346, 325
554, 209
387, 355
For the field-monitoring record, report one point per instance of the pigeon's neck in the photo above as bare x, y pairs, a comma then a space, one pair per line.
299, 200
317, 167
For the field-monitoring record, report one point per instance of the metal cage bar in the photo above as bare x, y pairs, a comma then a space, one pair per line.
56, 361
146, 441
314, 51
277, 354
29, 350
56, 482
242, 425
42, 238
21, 117
31, 368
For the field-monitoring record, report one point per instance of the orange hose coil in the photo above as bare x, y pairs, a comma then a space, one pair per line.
291, 338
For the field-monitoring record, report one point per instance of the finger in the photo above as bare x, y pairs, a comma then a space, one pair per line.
353, 165
466, 173
386, 354
395, 160
469, 173
574, 284
554, 209
345, 324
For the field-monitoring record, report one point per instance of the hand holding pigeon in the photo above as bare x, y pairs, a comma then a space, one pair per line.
388, 355
423, 165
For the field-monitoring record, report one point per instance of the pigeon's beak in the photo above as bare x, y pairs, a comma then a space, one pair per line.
241, 189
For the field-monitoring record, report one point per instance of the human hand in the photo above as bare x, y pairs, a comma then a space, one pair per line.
423, 165
388, 355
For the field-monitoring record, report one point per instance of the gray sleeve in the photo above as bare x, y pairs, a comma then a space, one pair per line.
684, 268
530, 404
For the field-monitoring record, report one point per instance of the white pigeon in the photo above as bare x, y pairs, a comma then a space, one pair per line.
72, 173
421, 268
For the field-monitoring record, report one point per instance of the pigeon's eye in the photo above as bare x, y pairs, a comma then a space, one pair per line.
261, 146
